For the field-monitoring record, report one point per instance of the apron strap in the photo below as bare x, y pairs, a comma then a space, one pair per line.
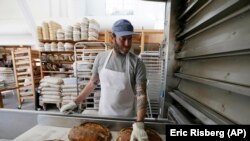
127, 67
107, 59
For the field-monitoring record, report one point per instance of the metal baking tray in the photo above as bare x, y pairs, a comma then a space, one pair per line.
58, 126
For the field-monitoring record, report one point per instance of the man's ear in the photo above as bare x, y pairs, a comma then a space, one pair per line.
113, 37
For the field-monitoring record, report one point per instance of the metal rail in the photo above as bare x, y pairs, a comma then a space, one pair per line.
203, 113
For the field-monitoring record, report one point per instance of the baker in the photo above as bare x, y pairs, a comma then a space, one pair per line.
122, 76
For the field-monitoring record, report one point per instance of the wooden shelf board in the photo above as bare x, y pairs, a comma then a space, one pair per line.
58, 72
55, 52
69, 41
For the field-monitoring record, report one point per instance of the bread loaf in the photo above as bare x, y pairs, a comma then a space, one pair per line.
125, 133
89, 131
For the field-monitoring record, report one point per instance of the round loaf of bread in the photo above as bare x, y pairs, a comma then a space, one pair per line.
89, 131
125, 133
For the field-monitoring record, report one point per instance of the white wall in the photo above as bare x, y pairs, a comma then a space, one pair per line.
9, 9
146, 14
14, 29
67, 12
96, 8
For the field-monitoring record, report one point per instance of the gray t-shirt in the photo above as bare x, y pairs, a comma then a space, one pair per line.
117, 62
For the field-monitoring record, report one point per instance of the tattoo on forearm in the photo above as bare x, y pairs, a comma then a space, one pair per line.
141, 102
141, 96
141, 89
95, 79
96, 82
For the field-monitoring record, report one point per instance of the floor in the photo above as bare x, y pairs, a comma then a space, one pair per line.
10, 102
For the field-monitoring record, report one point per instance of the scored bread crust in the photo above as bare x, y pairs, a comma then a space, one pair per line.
89, 131
125, 133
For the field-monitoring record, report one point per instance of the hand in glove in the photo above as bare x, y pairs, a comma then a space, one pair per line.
138, 132
68, 107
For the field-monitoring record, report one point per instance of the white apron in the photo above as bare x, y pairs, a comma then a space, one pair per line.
117, 96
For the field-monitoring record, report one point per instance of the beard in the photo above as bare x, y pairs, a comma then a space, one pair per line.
119, 49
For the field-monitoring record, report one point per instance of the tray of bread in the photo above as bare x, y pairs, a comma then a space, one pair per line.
65, 128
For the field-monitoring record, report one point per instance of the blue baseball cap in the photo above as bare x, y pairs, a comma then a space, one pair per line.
123, 27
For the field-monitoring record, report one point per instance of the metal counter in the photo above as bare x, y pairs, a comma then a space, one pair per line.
51, 127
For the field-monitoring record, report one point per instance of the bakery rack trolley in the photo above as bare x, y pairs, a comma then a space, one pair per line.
85, 54
154, 67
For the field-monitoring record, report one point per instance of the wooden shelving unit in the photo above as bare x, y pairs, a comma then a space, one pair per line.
56, 62
56, 59
27, 74
46, 71
101, 39
142, 38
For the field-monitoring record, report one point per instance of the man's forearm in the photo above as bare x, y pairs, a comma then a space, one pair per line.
141, 102
87, 89
85, 93
141, 108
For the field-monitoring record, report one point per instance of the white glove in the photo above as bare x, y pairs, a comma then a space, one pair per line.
138, 132
68, 107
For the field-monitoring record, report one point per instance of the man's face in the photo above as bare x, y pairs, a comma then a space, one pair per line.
122, 44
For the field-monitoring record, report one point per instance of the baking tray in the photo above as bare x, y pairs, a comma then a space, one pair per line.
51, 127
